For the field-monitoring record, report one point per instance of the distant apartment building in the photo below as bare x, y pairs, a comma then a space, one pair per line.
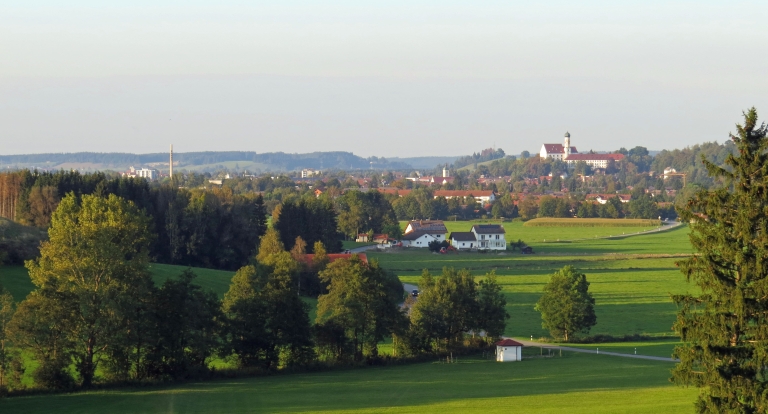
309, 172
147, 173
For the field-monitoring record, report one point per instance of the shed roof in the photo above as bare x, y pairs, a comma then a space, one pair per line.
508, 342
463, 236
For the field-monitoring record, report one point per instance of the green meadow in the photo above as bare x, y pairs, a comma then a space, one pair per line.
631, 277
573, 383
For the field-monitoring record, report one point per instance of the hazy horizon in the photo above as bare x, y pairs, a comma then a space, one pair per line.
394, 79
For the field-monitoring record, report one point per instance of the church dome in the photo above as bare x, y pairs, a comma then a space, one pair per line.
567, 135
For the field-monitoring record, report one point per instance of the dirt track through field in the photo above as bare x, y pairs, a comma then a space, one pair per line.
595, 351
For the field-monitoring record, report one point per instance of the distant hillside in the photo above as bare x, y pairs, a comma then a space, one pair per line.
202, 161
424, 162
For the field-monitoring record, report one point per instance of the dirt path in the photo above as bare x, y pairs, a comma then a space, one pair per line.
595, 351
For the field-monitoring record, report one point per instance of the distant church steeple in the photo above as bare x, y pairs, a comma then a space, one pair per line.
567, 145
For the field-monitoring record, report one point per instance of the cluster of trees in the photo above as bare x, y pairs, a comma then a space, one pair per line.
362, 212
309, 218
95, 307
195, 227
449, 306
421, 204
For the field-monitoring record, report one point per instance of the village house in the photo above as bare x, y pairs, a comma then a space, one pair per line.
463, 240
490, 236
419, 233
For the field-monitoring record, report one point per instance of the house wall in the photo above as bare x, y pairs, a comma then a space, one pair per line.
422, 241
509, 353
491, 241
463, 244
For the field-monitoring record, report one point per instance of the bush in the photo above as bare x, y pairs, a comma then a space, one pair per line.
435, 246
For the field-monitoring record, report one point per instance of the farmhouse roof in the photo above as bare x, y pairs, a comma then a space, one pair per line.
428, 226
508, 342
558, 149
488, 228
463, 236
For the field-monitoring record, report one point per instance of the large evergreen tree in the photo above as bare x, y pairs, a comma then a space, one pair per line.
725, 326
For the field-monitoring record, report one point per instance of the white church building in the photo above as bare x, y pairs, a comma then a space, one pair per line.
568, 154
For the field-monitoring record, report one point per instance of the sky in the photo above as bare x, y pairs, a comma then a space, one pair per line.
377, 78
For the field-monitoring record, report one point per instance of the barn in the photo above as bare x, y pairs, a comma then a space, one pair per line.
509, 350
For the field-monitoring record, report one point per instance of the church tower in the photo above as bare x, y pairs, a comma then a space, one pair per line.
567, 146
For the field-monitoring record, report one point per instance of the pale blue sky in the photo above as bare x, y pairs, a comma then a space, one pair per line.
394, 78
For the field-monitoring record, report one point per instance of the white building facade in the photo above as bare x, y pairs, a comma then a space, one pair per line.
490, 236
509, 350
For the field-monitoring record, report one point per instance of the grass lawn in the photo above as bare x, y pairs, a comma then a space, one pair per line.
574, 383
349, 245
16, 280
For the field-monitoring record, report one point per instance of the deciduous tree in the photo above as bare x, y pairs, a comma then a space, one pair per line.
95, 265
567, 307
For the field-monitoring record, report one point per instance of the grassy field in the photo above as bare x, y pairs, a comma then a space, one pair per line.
631, 279
537, 235
574, 383
16, 278
590, 222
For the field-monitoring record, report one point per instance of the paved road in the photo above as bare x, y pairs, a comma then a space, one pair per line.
595, 351
362, 249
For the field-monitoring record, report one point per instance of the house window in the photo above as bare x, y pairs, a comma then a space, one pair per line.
497, 237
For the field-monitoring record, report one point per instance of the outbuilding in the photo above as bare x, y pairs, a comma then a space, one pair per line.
509, 350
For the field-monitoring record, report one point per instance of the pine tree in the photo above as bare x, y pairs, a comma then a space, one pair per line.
725, 327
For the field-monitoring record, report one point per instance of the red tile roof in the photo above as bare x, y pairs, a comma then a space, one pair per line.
508, 342
558, 149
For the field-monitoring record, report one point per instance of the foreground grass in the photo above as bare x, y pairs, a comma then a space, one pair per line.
574, 383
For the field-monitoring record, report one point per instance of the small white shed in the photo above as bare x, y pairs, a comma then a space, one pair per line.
509, 350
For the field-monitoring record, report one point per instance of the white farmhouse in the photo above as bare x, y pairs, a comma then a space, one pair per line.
490, 236
509, 350
434, 228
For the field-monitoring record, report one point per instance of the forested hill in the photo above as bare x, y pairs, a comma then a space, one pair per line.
209, 160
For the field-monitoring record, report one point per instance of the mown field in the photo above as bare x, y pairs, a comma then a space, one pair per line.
631, 278
573, 383
533, 235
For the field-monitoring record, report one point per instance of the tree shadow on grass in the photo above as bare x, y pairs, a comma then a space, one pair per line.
365, 389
